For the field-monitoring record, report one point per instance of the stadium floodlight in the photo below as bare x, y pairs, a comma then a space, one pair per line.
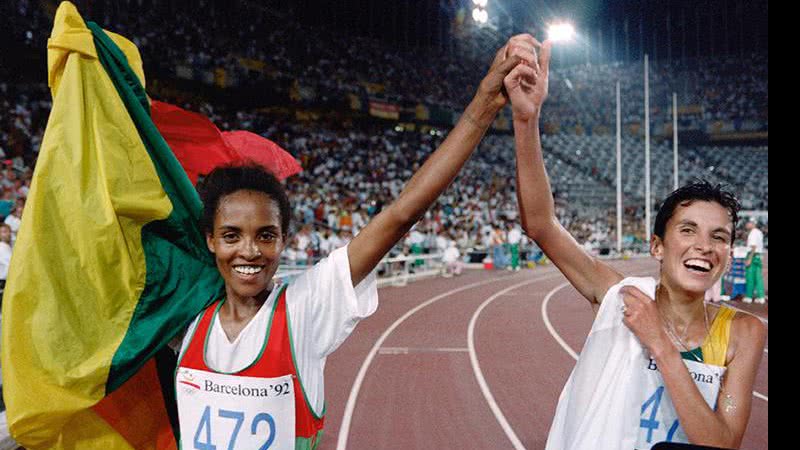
481, 3
561, 32
480, 15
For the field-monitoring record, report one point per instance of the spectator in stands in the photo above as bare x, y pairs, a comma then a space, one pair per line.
579, 98
302, 245
14, 220
359, 219
653, 332
452, 259
333, 241
755, 270
347, 236
498, 239
514, 240
5, 253
414, 242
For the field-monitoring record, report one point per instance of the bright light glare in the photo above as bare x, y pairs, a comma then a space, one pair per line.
561, 32
480, 15
481, 3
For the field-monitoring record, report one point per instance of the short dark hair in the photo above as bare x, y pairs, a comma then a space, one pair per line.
226, 180
696, 190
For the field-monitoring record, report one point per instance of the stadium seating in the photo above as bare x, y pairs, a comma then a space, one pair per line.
365, 163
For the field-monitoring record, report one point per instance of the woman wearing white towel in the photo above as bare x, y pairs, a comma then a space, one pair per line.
659, 363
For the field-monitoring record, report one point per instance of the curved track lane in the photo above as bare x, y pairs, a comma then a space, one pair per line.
469, 362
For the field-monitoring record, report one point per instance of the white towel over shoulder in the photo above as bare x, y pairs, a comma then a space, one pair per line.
594, 409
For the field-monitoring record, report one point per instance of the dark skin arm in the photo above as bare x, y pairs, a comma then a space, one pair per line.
527, 87
373, 242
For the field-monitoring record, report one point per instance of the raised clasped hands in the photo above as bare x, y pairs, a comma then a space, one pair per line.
519, 50
527, 83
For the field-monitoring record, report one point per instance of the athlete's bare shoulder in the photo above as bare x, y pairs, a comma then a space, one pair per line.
748, 334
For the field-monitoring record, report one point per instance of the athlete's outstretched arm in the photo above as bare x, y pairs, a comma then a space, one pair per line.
527, 87
439, 170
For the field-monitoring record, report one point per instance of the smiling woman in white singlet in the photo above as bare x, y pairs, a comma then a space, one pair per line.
659, 364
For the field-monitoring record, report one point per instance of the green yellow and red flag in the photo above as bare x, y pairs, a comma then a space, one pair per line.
110, 263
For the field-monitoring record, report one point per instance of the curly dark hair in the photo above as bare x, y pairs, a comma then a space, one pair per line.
697, 190
226, 180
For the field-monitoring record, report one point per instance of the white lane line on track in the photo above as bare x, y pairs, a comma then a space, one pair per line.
569, 349
347, 417
476, 367
550, 327
407, 350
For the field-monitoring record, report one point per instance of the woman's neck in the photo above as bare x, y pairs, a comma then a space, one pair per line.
680, 307
244, 307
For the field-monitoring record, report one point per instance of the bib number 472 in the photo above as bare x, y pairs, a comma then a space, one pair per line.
202, 437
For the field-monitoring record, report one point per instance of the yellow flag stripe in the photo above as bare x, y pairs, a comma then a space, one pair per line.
78, 268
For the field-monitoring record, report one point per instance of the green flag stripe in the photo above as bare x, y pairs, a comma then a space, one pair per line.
176, 184
180, 268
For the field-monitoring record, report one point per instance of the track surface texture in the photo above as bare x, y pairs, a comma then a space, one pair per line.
469, 363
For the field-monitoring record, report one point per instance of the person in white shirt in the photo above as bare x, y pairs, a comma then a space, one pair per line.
346, 237
257, 354
302, 244
14, 220
334, 241
514, 239
452, 259
5, 253
652, 366
359, 220
325, 243
486, 236
754, 267
441, 242
415, 240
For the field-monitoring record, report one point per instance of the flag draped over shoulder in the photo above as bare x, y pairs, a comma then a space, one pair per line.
109, 264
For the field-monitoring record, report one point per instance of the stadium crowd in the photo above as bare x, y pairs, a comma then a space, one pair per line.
274, 47
363, 165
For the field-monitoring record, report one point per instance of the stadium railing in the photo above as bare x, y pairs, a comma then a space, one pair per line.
399, 270
394, 271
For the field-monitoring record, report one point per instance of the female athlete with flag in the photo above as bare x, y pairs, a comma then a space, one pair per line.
659, 363
250, 370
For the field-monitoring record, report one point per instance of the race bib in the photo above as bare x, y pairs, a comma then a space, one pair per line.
659, 420
227, 412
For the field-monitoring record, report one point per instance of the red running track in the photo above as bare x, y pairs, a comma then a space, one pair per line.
419, 387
